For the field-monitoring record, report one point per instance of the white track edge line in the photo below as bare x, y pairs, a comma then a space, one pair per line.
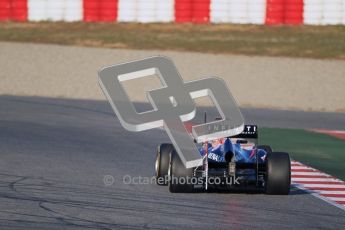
313, 193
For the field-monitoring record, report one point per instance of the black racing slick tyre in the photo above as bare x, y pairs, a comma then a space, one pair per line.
162, 163
267, 148
180, 176
278, 173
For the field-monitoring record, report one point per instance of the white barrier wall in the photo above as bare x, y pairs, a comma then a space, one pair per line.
219, 11
55, 10
313, 12
324, 12
256, 11
73, 10
127, 11
343, 12
238, 11
37, 10
332, 12
165, 10
146, 11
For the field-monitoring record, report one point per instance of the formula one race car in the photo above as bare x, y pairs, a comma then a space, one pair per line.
234, 163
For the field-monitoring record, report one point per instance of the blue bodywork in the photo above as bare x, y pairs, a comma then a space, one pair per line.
217, 154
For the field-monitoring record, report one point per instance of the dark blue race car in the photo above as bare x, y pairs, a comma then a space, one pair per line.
241, 154
235, 163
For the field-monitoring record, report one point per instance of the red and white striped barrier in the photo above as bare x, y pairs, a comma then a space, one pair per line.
270, 12
334, 133
319, 184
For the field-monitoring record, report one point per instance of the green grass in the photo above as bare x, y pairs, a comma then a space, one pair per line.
292, 41
317, 150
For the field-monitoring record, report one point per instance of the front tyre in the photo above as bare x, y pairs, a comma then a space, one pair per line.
278, 173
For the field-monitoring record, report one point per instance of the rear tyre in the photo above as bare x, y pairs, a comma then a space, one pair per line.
179, 175
278, 173
162, 163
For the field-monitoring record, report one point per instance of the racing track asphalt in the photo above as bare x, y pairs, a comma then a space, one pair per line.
56, 152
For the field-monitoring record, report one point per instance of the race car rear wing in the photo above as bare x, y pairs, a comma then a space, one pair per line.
249, 132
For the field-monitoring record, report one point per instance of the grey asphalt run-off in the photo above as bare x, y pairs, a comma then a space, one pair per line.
55, 154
